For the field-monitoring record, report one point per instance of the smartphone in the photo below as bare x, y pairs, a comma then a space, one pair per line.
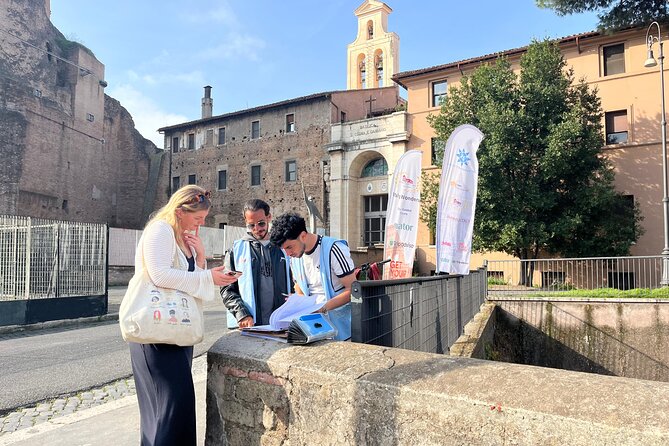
234, 273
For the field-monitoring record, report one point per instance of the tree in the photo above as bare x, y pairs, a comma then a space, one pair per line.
613, 14
544, 186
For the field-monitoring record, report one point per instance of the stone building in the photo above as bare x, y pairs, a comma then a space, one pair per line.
276, 152
69, 151
630, 97
363, 157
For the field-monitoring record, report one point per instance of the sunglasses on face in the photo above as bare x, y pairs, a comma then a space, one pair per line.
199, 198
260, 224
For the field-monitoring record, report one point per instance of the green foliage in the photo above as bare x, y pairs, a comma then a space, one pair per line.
610, 293
496, 281
612, 14
67, 45
543, 184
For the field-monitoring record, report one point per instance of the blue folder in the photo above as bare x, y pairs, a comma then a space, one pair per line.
310, 328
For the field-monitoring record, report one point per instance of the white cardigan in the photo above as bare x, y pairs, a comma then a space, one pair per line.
156, 250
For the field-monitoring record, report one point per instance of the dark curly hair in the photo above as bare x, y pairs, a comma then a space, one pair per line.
287, 226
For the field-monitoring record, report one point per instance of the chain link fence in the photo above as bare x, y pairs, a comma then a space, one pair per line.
42, 259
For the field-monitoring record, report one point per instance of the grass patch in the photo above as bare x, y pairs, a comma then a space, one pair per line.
496, 281
610, 293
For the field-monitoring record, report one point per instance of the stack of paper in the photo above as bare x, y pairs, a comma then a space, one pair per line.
266, 332
295, 306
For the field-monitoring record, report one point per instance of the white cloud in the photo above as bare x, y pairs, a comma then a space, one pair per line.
147, 114
194, 77
223, 14
235, 45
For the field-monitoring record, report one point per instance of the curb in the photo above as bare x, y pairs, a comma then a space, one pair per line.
9, 329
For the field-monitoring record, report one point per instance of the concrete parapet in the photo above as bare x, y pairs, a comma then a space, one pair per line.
478, 334
263, 392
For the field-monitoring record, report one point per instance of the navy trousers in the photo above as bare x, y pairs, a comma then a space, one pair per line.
165, 393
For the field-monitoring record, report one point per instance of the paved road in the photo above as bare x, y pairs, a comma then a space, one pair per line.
44, 364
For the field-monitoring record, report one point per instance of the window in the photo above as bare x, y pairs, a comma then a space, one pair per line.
614, 59
90, 117
255, 175
552, 279
209, 140
222, 225
438, 92
616, 127
191, 141
222, 179
175, 144
375, 219
291, 170
436, 145
622, 280
176, 183
378, 66
343, 116
370, 30
375, 168
221, 135
290, 123
191, 179
255, 130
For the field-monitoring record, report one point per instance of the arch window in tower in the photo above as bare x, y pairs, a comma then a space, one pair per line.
362, 72
370, 30
375, 168
378, 67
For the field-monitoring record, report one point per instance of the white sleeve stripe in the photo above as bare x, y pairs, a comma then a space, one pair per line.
345, 267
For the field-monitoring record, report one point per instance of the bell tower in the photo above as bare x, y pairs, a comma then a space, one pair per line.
374, 56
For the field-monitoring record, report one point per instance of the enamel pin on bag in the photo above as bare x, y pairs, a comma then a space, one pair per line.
153, 315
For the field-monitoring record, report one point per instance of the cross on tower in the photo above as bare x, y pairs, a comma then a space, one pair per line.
370, 105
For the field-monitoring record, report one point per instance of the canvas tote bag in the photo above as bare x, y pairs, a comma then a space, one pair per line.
150, 314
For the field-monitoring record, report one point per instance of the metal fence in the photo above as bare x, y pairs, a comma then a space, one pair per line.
507, 277
46, 258
421, 313
123, 242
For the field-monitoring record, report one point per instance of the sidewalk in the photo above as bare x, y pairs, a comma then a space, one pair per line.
116, 422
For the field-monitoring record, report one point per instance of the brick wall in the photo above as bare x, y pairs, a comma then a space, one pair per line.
70, 151
271, 152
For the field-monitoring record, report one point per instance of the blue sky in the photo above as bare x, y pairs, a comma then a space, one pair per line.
159, 54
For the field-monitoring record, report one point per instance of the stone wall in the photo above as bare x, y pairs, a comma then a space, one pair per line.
341, 393
70, 152
271, 151
622, 338
477, 340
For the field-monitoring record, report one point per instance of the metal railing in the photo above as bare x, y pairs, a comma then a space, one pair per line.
46, 258
508, 277
420, 313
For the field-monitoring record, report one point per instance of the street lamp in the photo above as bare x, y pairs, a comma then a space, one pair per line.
651, 62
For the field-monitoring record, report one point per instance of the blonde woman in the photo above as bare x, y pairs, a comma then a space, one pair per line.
162, 372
